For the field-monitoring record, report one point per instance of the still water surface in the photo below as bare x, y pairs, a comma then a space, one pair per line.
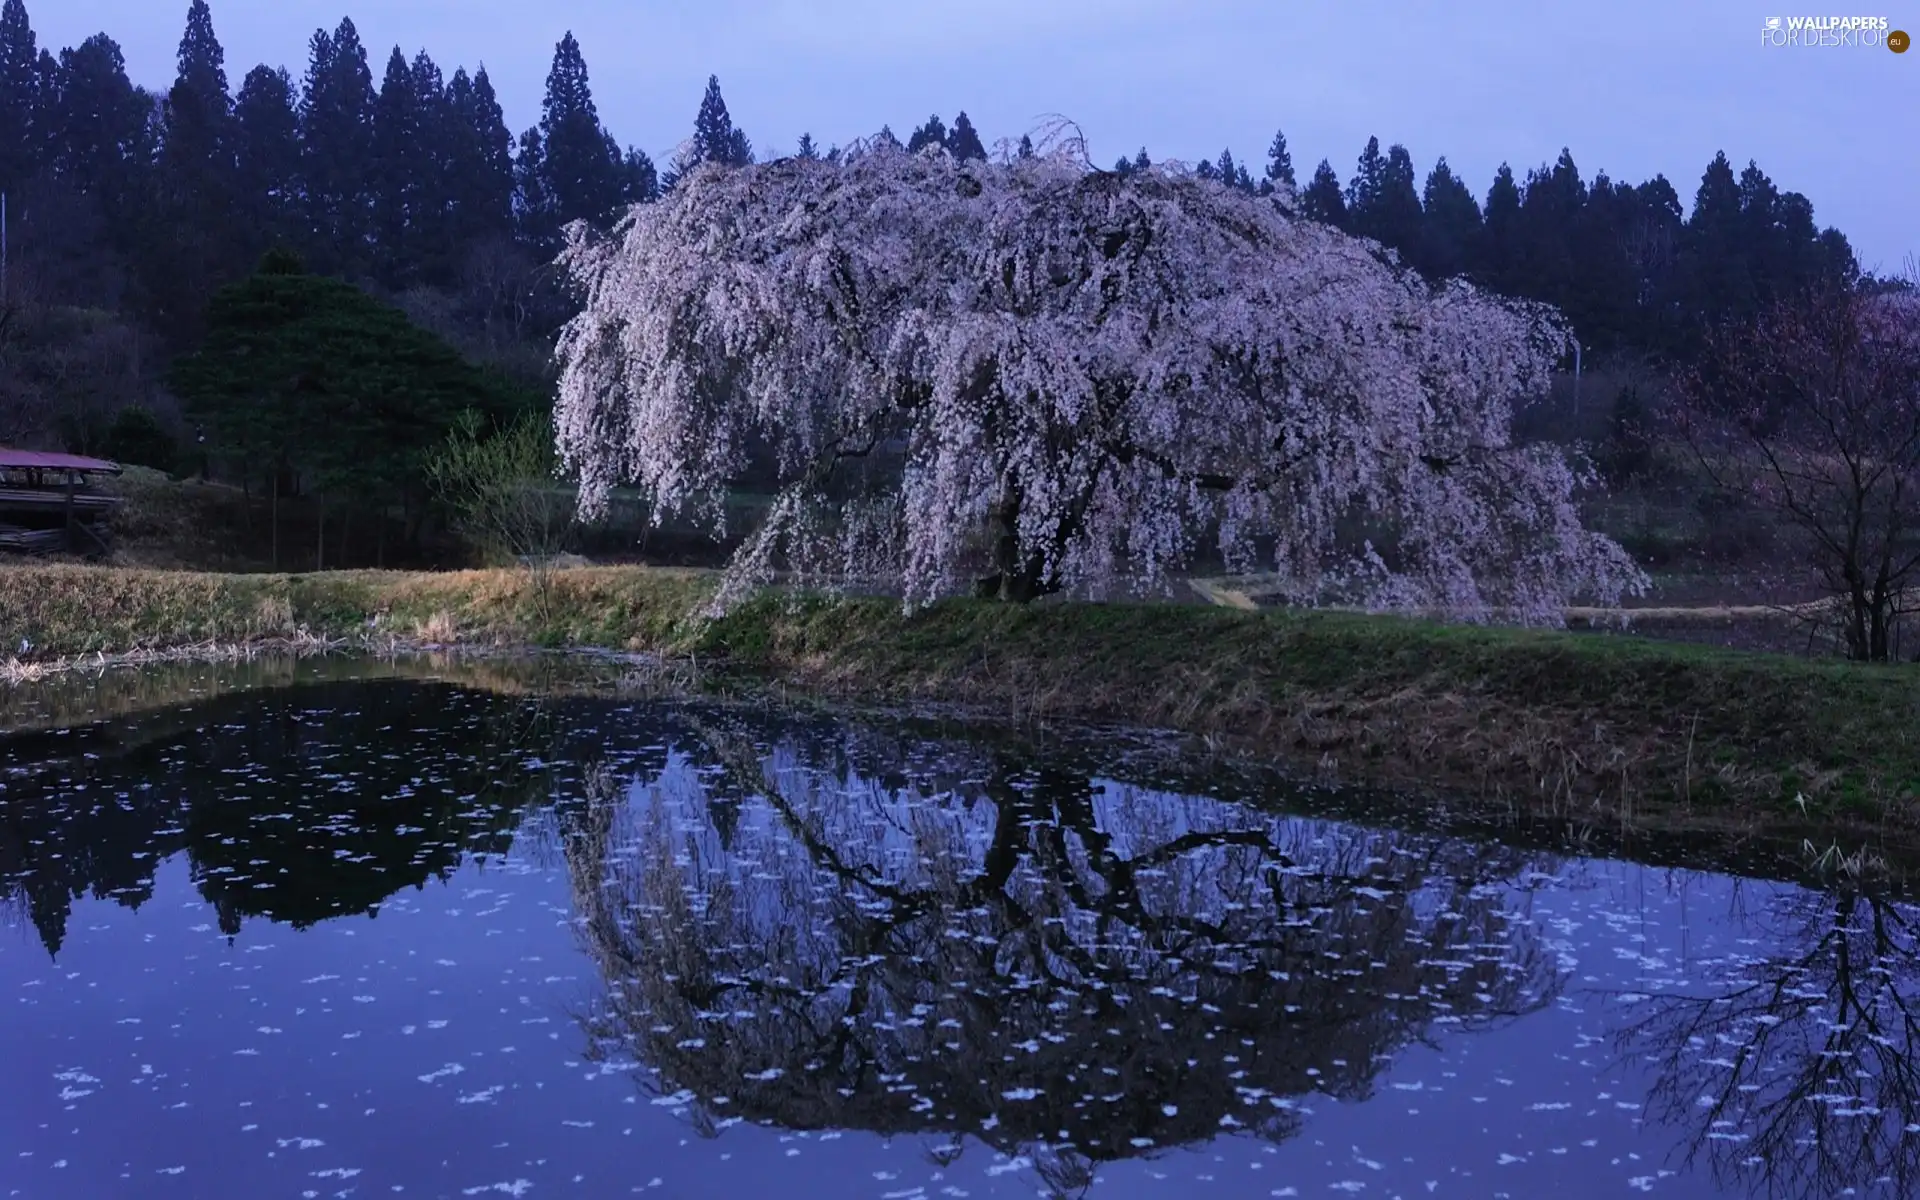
400, 937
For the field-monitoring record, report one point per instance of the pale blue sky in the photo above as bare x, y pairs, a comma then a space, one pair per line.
1631, 86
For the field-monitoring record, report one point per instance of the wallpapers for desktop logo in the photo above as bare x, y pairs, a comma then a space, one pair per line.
1872, 32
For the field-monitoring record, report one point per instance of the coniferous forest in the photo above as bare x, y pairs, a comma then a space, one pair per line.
130, 210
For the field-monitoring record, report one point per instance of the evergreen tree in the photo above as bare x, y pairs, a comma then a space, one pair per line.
266, 126
1364, 189
963, 142
640, 180
582, 176
102, 126
398, 175
1395, 218
1450, 241
1123, 165
1232, 173
480, 155
1206, 169
933, 133
533, 216
1713, 261
806, 148
1501, 263
21, 140
715, 139
336, 136
1323, 201
1279, 161
187, 240
1549, 208
1025, 148
1141, 162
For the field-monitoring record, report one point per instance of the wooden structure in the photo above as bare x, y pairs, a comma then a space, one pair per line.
51, 503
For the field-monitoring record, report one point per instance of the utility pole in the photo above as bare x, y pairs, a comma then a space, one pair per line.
1576, 379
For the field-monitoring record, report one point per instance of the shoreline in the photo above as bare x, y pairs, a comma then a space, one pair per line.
1575, 726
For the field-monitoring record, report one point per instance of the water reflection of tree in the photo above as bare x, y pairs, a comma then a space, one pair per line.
1800, 1076
1073, 972
297, 805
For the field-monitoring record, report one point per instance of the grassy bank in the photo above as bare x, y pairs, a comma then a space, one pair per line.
1588, 726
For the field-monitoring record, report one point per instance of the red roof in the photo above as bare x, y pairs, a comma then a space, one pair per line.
36, 460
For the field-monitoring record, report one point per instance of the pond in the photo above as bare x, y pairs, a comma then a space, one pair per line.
419, 937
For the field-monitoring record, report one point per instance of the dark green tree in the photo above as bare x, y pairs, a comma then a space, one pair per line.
1279, 160
715, 139
806, 148
1500, 267
639, 178
336, 135
1025, 147
415, 156
1364, 189
21, 140
582, 170
933, 133
1383, 202
533, 216
267, 162
310, 375
1451, 230
1322, 200
963, 141
1141, 162
479, 161
186, 237
103, 127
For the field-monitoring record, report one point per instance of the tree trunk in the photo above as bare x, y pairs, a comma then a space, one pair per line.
1015, 578
274, 518
320, 527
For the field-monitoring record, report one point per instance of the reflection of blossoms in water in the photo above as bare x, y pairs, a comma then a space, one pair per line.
1071, 971
1798, 1073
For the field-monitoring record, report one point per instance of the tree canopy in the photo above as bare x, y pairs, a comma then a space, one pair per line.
311, 374
1097, 365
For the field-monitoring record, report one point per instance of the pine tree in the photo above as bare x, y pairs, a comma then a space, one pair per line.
1025, 148
21, 140
1279, 161
480, 171
1229, 170
1141, 162
1365, 188
396, 177
1322, 201
336, 135
1397, 218
640, 180
533, 215
933, 133
1501, 245
963, 142
1123, 165
1451, 231
266, 126
806, 148
187, 247
715, 140
582, 177
102, 126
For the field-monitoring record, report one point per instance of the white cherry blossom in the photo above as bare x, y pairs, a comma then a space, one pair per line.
1097, 371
